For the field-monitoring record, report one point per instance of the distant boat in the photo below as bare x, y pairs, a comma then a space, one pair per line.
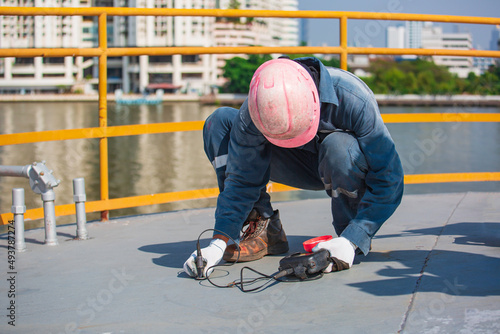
157, 98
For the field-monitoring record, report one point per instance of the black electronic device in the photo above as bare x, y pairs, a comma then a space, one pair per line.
304, 265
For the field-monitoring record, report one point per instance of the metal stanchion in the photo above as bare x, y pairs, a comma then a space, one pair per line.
18, 209
81, 217
41, 182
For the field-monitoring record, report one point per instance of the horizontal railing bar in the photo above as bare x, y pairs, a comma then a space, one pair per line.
425, 52
155, 128
99, 132
143, 200
53, 52
313, 14
441, 117
195, 50
452, 177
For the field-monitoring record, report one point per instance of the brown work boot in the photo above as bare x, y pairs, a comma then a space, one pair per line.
262, 237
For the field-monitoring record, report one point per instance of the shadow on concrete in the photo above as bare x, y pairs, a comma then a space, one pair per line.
26, 240
468, 233
449, 272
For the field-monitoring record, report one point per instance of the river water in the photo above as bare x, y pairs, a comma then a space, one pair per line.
158, 163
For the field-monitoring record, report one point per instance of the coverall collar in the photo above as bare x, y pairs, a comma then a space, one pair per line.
326, 92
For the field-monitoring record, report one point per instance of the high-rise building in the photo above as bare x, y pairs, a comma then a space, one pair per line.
22, 74
495, 38
190, 73
138, 73
396, 37
413, 34
433, 37
289, 27
267, 31
304, 31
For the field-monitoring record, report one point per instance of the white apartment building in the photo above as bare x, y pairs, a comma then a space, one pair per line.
290, 27
26, 74
413, 34
191, 73
188, 74
258, 31
396, 37
428, 36
433, 37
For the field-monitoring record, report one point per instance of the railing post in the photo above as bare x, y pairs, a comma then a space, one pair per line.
80, 197
18, 209
103, 116
343, 42
42, 182
49, 213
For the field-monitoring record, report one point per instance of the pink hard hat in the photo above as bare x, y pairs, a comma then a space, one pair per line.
283, 103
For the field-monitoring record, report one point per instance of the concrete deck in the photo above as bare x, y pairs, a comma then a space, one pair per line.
434, 268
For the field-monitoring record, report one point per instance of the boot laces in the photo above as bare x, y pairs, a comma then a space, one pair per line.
254, 228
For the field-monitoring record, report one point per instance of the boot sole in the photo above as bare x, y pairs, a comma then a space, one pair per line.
273, 250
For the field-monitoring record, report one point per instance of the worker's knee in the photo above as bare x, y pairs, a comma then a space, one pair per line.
340, 155
221, 119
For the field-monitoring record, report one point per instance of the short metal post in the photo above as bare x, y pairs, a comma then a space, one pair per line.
81, 217
49, 213
18, 209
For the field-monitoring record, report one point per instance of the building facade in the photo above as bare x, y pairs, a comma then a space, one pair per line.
198, 74
254, 32
396, 37
429, 36
433, 37
38, 74
413, 34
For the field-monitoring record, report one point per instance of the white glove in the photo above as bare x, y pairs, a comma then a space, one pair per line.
212, 254
340, 248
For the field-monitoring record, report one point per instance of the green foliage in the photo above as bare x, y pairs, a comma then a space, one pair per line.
239, 71
424, 77
388, 77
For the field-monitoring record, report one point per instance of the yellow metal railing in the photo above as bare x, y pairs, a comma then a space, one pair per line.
103, 131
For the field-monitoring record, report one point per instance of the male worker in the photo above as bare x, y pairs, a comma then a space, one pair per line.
308, 127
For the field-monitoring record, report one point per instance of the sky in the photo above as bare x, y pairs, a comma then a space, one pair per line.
373, 33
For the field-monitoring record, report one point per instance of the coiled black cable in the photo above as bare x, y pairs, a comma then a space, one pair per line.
241, 283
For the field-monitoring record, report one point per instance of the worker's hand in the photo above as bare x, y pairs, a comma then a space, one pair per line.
212, 254
341, 249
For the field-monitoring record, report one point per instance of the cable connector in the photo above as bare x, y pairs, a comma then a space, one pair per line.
200, 262
283, 273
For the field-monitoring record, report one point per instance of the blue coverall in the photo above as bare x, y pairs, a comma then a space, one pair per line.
352, 157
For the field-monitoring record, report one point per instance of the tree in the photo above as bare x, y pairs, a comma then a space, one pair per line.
393, 79
412, 77
239, 72
426, 82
